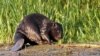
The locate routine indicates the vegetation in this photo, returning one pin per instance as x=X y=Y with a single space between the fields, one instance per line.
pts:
x=80 y=18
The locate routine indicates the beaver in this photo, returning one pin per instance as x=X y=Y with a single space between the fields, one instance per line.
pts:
x=36 y=28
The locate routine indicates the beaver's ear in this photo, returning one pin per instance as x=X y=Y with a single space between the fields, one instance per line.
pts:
x=55 y=24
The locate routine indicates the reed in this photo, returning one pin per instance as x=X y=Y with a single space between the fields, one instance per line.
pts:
x=80 y=18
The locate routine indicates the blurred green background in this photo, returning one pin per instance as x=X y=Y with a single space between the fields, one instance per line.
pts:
x=80 y=18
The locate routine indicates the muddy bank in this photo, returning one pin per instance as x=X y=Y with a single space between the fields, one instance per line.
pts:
x=52 y=50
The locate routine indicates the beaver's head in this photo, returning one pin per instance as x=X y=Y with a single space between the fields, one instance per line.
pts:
x=56 y=31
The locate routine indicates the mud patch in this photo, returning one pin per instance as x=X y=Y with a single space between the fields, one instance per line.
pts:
x=52 y=50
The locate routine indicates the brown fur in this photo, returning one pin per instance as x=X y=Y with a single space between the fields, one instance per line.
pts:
x=39 y=29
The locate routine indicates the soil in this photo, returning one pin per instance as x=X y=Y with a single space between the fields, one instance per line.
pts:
x=53 y=50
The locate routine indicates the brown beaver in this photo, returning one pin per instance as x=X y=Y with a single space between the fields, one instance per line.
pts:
x=36 y=29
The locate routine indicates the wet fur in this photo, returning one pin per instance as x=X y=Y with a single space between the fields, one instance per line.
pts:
x=37 y=29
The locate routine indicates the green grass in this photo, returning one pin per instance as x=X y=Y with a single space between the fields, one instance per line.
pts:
x=80 y=18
